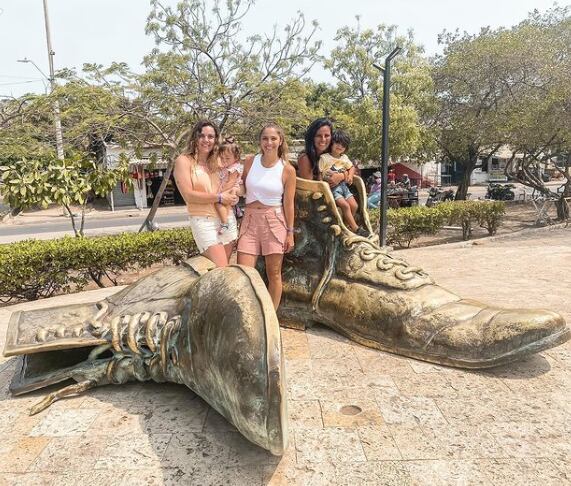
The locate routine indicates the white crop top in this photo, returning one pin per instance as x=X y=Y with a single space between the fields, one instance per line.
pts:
x=265 y=185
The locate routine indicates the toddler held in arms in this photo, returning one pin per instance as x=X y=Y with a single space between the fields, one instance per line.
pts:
x=230 y=177
x=337 y=161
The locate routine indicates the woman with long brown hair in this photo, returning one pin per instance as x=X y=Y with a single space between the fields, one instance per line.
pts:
x=197 y=175
x=317 y=142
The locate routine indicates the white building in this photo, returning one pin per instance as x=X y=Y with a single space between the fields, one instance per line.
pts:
x=492 y=169
x=146 y=176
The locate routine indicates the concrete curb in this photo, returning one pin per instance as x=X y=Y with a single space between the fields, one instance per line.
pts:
x=93 y=232
x=28 y=218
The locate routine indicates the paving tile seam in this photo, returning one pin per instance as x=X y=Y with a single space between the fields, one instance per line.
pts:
x=556 y=465
x=359 y=433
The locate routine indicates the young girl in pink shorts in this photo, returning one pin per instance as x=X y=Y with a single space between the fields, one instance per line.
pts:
x=267 y=226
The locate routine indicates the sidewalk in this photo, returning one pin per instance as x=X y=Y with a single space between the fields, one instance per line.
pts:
x=420 y=424
x=55 y=213
x=56 y=225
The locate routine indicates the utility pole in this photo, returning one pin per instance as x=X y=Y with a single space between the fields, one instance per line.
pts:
x=51 y=53
x=386 y=71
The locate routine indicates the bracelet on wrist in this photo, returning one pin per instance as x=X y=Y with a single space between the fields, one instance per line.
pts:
x=290 y=230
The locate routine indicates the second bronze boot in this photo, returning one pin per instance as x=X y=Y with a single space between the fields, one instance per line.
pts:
x=349 y=284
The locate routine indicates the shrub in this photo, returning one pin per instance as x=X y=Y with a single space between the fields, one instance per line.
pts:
x=461 y=213
x=491 y=216
x=467 y=214
x=33 y=269
x=407 y=224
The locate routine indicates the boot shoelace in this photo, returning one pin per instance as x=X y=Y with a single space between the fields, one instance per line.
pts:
x=402 y=270
x=385 y=262
x=143 y=334
x=141 y=340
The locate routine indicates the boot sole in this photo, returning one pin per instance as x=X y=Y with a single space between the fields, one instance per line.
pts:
x=517 y=354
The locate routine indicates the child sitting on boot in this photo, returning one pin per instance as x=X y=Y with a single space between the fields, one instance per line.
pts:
x=337 y=161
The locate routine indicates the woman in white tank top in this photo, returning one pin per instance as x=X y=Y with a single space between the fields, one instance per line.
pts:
x=267 y=226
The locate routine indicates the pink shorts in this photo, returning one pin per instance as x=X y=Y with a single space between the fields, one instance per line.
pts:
x=263 y=231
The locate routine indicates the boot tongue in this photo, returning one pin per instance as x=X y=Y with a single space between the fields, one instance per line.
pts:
x=363 y=261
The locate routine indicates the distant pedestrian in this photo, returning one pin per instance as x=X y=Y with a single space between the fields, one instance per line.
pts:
x=374 y=198
x=405 y=181
x=391 y=176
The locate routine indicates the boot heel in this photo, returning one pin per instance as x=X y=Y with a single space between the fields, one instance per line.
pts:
x=290 y=320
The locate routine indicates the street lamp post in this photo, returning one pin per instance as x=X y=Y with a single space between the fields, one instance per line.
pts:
x=51 y=78
x=385 y=143
x=51 y=53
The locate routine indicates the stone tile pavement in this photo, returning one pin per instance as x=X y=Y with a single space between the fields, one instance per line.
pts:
x=419 y=423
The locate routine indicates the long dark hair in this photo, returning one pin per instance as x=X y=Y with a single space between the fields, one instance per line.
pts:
x=191 y=147
x=310 y=143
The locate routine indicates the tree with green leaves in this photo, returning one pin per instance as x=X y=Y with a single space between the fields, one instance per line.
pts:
x=50 y=180
x=469 y=86
x=201 y=68
x=355 y=101
x=31 y=173
x=201 y=58
x=504 y=87
x=538 y=115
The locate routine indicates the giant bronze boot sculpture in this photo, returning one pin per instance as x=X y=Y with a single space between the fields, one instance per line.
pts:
x=349 y=284
x=217 y=333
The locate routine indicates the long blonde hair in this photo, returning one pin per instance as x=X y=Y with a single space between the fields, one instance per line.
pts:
x=283 y=151
x=192 y=144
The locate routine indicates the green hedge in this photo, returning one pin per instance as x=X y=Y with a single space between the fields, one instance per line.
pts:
x=468 y=214
x=33 y=269
x=408 y=224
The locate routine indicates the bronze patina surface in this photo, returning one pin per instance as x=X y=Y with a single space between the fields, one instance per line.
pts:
x=213 y=330
x=349 y=284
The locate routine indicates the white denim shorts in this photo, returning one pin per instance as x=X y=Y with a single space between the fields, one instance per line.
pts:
x=205 y=231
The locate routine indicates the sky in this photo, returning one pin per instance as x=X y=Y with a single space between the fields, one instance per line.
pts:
x=102 y=31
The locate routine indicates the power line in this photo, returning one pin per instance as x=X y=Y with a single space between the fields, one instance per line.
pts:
x=21 y=82
x=18 y=77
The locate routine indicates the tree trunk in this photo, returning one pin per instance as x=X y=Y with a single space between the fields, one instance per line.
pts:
x=97 y=279
x=148 y=223
x=72 y=219
x=464 y=185
x=82 y=223
x=561 y=204
x=174 y=152
x=562 y=209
